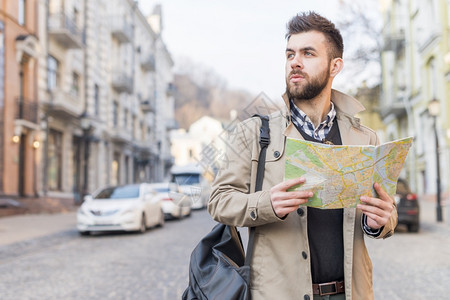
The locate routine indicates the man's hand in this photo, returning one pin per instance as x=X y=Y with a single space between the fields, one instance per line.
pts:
x=284 y=202
x=377 y=210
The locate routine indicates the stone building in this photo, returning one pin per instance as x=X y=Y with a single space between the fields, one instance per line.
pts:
x=86 y=97
x=19 y=120
x=415 y=69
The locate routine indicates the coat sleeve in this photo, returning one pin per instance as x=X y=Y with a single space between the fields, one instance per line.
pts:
x=232 y=202
x=388 y=229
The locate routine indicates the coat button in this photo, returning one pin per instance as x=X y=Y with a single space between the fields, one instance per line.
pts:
x=300 y=211
x=306 y=297
x=276 y=154
x=304 y=255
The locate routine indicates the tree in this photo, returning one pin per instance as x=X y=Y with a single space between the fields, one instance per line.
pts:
x=360 y=23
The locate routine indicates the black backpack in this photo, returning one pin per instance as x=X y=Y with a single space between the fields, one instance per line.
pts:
x=219 y=268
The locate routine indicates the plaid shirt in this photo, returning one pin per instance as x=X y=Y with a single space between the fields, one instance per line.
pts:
x=303 y=122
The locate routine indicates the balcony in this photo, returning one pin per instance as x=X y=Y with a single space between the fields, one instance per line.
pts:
x=148 y=106
x=148 y=63
x=27 y=110
x=65 y=31
x=396 y=108
x=65 y=104
x=122 y=82
x=121 y=29
x=120 y=136
x=394 y=41
x=171 y=89
x=171 y=124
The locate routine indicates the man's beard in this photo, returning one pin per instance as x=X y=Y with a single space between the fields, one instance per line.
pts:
x=309 y=91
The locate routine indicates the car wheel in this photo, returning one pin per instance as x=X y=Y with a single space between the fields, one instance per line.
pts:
x=413 y=227
x=162 y=219
x=143 y=226
x=84 y=233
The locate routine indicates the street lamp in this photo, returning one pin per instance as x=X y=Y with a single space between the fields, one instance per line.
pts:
x=86 y=126
x=433 y=110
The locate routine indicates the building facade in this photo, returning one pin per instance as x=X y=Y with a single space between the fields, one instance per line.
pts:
x=84 y=88
x=19 y=121
x=415 y=68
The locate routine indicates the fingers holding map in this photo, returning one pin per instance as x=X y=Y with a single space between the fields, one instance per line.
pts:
x=340 y=175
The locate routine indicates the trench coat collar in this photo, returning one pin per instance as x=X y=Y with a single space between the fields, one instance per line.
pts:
x=343 y=103
x=346 y=107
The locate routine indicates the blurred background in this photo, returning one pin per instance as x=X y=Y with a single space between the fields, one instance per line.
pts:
x=113 y=92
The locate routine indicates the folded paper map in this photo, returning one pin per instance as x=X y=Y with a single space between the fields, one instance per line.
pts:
x=340 y=175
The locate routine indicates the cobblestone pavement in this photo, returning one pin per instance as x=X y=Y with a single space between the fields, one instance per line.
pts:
x=413 y=265
x=154 y=265
x=107 y=266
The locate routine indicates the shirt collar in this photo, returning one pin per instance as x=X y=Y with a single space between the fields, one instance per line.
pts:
x=299 y=115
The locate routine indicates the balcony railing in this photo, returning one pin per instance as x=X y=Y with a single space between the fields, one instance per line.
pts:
x=122 y=82
x=64 y=103
x=171 y=89
x=27 y=110
x=65 y=31
x=148 y=63
x=148 y=105
x=121 y=29
x=171 y=124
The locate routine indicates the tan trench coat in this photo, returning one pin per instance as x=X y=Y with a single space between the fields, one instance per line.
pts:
x=279 y=269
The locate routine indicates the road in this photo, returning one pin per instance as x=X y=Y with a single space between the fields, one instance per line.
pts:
x=155 y=265
x=413 y=265
x=107 y=266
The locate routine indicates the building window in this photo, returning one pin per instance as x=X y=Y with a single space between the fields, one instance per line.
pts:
x=97 y=99
x=75 y=88
x=115 y=114
x=115 y=168
x=125 y=119
x=52 y=73
x=54 y=166
x=22 y=12
x=76 y=17
x=135 y=128
x=143 y=133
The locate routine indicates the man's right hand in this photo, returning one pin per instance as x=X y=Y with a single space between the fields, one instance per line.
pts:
x=284 y=202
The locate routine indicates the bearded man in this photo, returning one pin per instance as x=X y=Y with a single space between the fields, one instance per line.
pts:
x=303 y=252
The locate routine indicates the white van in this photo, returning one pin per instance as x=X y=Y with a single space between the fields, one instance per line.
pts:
x=192 y=182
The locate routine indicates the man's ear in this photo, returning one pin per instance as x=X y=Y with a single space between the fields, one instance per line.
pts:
x=337 y=64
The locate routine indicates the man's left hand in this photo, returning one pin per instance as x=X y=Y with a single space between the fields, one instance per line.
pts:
x=377 y=210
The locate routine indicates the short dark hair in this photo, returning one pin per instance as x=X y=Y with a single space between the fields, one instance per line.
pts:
x=310 y=21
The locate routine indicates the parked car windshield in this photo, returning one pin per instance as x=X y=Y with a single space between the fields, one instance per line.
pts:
x=186 y=179
x=161 y=190
x=119 y=192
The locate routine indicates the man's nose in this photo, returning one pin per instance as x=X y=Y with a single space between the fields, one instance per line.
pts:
x=296 y=63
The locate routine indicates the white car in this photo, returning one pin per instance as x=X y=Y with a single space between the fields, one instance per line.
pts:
x=175 y=204
x=120 y=208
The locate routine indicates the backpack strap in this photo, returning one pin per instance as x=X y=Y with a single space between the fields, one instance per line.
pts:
x=264 y=141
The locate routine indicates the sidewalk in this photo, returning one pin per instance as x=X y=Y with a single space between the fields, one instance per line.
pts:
x=35 y=205
x=28 y=218
x=52 y=218
x=19 y=228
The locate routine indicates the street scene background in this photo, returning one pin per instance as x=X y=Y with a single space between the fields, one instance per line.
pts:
x=106 y=93
x=64 y=265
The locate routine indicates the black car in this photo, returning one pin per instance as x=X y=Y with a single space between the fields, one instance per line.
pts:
x=407 y=206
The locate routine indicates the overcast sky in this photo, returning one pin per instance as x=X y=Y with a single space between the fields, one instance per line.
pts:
x=242 y=41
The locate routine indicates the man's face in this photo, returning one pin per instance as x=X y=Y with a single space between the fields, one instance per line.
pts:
x=307 y=65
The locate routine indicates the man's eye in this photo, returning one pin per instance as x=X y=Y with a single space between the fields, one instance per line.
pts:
x=290 y=55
